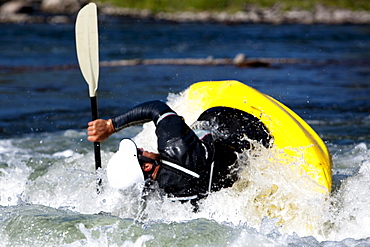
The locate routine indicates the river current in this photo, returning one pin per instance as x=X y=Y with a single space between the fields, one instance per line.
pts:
x=48 y=182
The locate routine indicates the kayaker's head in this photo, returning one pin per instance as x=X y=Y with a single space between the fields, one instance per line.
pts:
x=148 y=162
x=130 y=165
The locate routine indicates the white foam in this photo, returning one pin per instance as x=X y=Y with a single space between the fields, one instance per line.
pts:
x=66 y=153
x=269 y=200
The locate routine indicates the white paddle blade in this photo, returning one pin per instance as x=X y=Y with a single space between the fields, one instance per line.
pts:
x=87 y=45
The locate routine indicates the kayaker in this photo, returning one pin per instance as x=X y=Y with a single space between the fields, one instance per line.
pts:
x=189 y=164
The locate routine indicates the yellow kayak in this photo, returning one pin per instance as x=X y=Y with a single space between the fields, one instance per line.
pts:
x=289 y=132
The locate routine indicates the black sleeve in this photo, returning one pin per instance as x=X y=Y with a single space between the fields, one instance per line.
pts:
x=149 y=111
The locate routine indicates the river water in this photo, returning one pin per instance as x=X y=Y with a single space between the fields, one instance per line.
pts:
x=48 y=183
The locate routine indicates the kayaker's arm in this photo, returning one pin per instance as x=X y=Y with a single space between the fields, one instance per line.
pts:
x=148 y=111
x=101 y=129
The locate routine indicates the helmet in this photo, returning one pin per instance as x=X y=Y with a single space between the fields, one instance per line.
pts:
x=123 y=168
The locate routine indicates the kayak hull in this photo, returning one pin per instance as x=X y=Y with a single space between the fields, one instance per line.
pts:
x=290 y=133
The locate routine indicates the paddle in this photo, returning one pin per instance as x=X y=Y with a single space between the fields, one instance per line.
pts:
x=87 y=46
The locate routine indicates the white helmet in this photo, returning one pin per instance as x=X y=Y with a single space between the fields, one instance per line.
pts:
x=123 y=168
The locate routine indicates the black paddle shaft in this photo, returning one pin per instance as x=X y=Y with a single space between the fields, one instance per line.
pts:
x=95 y=115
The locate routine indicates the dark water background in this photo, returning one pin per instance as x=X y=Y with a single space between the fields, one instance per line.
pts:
x=331 y=89
x=45 y=109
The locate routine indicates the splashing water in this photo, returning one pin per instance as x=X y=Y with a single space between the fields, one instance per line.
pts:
x=48 y=198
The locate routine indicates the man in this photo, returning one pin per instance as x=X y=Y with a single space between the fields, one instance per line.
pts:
x=188 y=166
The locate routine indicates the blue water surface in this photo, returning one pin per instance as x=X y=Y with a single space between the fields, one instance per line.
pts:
x=44 y=99
x=42 y=88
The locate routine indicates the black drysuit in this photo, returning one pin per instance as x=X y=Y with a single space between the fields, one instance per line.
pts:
x=190 y=166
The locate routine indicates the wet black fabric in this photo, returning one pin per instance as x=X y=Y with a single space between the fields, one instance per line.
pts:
x=146 y=112
x=178 y=144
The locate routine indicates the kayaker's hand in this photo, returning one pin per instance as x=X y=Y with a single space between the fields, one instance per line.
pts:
x=99 y=130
